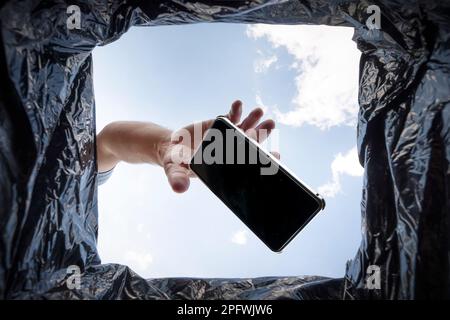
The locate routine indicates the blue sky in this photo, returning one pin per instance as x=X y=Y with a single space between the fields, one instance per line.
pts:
x=305 y=77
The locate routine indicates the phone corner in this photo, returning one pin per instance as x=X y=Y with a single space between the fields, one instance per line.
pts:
x=321 y=201
x=278 y=250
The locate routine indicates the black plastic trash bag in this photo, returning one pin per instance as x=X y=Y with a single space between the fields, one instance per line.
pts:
x=48 y=183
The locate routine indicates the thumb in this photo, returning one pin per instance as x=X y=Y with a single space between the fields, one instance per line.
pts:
x=178 y=177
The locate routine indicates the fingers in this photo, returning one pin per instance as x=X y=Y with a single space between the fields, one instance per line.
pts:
x=264 y=129
x=236 y=111
x=267 y=125
x=252 y=119
x=234 y=115
x=251 y=133
x=275 y=154
x=178 y=177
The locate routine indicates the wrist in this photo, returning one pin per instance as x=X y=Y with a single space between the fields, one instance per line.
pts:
x=106 y=158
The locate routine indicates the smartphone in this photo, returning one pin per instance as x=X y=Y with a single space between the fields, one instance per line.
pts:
x=254 y=185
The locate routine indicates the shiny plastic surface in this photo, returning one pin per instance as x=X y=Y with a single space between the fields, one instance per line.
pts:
x=48 y=186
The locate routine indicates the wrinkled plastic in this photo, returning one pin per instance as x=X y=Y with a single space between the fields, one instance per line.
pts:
x=48 y=184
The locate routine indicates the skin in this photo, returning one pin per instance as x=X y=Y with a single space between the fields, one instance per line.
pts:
x=145 y=142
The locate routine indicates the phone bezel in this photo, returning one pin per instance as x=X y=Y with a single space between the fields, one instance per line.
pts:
x=320 y=201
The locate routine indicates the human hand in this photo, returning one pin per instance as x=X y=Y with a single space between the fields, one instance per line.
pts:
x=183 y=143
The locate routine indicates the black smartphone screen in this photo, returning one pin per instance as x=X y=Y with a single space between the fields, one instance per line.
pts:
x=272 y=203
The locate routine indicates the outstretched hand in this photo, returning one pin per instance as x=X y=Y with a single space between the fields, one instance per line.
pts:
x=181 y=148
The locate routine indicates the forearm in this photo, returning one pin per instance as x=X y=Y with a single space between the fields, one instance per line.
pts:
x=130 y=141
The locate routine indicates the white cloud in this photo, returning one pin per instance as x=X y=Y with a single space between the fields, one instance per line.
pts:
x=263 y=64
x=346 y=164
x=240 y=237
x=139 y=261
x=327 y=62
